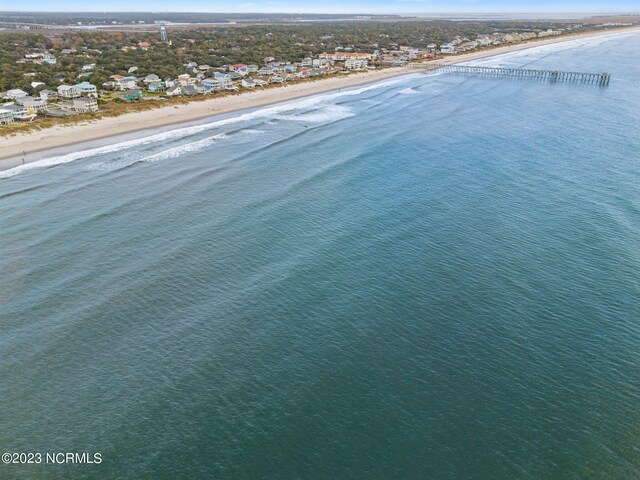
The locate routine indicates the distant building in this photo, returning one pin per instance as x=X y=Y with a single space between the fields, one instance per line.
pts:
x=448 y=48
x=6 y=116
x=133 y=94
x=356 y=64
x=87 y=89
x=33 y=105
x=47 y=95
x=151 y=78
x=127 y=83
x=190 y=90
x=184 y=78
x=19 y=112
x=321 y=62
x=68 y=91
x=164 y=37
x=344 y=56
x=549 y=33
x=219 y=82
x=174 y=91
x=85 y=104
x=156 y=87
x=15 y=93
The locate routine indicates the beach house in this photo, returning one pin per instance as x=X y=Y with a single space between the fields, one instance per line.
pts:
x=184 y=78
x=356 y=63
x=127 y=83
x=156 y=87
x=133 y=94
x=151 y=78
x=266 y=71
x=6 y=116
x=87 y=89
x=322 y=62
x=344 y=56
x=85 y=104
x=448 y=48
x=15 y=93
x=189 y=90
x=48 y=94
x=68 y=91
x=19 y=112
x=220 y=81
x=32 y=104
x=174 y=91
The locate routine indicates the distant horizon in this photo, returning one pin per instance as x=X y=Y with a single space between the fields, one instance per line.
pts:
x=297 y=12
x=350 y=7
x=491 y=14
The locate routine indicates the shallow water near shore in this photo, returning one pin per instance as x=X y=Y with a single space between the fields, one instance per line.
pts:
x=434 y=276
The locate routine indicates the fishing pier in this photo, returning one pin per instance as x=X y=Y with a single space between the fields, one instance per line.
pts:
x=601 y=79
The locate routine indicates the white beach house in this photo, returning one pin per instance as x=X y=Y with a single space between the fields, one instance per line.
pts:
x=68 y=91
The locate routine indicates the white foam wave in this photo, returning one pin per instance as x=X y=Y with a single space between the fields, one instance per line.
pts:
x=108 y=166
x=170 y=153
x=251 y=131
x=328 y=114
x=185 y=131
x=188 y=147
x=408 y=91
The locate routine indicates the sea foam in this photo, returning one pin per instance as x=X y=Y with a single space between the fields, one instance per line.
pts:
x=178 y=133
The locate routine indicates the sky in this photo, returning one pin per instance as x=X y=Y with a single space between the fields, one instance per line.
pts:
x=401 y=7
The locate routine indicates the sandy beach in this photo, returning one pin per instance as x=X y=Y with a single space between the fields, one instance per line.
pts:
x=12 y=148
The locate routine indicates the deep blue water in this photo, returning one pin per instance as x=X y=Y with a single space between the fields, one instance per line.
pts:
x=431 y=277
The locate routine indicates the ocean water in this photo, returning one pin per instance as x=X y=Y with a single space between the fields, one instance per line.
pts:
x=432 y=277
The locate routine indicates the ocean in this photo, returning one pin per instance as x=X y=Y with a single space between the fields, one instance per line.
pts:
x=430 y=277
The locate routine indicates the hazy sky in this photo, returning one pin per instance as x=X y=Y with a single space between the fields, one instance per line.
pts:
x=335 y=6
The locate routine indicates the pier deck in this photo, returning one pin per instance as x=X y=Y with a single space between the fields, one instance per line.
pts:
x=601 y=79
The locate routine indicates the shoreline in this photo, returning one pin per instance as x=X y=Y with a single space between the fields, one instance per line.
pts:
x=58 y=137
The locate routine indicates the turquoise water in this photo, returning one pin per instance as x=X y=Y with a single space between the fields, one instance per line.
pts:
x=429 y=277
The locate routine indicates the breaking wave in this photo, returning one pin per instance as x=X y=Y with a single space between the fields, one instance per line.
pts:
x=178 y=133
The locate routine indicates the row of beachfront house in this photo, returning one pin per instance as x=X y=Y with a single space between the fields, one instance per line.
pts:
x=233 y=78
x=66 y=100
x=197 y=80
